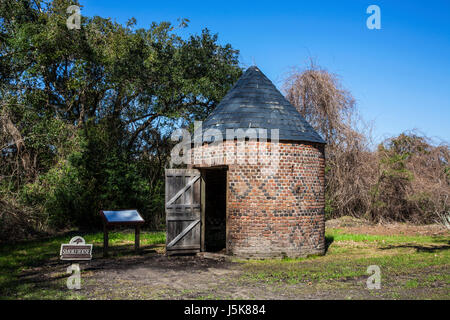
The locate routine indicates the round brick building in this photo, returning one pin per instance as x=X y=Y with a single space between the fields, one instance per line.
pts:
x=263 y=194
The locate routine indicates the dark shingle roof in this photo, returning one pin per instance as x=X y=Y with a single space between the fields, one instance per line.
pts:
x=254 y=102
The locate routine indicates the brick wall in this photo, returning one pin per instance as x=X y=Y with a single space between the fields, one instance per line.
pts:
x=274 y=208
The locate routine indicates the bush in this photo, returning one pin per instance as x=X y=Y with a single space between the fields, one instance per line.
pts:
x=406 y=178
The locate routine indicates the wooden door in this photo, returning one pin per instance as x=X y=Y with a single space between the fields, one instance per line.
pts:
x=183 y=211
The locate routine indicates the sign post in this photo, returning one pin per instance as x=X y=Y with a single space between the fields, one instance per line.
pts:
x=121 y=218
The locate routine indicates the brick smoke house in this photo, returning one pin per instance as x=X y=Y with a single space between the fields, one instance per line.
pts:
x=255 y=206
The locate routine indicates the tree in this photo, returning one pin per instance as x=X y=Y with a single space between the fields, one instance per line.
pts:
x=113 y=92
x=320 y=98
x=405 y=179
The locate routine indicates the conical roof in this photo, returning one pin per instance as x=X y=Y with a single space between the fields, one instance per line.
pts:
x=254 y=102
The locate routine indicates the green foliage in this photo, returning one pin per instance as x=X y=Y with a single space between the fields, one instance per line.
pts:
x=410 y=184
x=56 y=194
x=328 y=208
x=90 y=111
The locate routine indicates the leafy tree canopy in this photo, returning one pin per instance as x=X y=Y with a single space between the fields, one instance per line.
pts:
x=111 y=92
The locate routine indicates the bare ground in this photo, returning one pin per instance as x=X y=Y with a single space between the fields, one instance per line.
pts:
x=152 y=275
x=156 y=276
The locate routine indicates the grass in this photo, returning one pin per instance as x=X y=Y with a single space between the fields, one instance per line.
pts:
x=411 y=266
x=349 y=255
x=339 y=235
x=16 y=259
x=412 y=283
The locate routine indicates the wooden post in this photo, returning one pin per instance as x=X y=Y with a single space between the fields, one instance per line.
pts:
x=137 y=232
x=202 y=208
x=105 y=240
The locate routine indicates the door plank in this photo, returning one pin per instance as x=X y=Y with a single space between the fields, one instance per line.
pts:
x=183 y=233
x=183 y=211
x=183 y=190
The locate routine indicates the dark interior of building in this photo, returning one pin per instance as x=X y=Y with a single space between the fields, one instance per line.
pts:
x=215 y=209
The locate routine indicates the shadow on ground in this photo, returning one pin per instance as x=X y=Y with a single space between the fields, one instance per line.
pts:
x=122 y=262
x=328 y=241
x=419 y=248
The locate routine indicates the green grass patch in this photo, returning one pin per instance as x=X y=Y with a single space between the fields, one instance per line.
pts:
x=432 y=278
x=21 y=257
x=412 y=283
x=349 y=255
x=340 y=235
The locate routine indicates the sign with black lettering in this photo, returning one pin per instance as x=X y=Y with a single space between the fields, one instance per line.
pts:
x=76 y=249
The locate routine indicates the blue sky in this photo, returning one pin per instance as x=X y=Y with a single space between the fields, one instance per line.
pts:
x=399 y=75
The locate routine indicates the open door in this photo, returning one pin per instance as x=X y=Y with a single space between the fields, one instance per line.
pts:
x=214 y=220
x=183 y=211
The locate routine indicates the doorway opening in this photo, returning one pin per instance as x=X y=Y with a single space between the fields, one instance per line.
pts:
x=215 y=206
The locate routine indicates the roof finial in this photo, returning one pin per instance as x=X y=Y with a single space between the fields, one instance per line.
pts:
x=253 y=61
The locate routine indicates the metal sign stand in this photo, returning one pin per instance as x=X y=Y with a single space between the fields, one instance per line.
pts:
x=121 y=218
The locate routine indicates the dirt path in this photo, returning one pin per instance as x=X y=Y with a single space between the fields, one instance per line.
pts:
x=191 y=277
x=412 y=268
x=155 y=276
x=159 y=277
